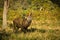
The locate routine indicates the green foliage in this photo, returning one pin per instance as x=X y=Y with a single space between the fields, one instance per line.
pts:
x=43 y=11
x=46 y=15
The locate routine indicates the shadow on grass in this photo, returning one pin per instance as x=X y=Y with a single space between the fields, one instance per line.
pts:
x=38 y=30
x=32 y=30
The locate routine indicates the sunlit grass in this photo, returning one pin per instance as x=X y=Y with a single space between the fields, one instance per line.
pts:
x=38 y=30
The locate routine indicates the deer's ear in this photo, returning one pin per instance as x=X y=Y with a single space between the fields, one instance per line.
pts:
x=30 y=14
x=27 y=14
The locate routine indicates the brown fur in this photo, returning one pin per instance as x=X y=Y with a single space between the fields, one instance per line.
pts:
x=22 y=23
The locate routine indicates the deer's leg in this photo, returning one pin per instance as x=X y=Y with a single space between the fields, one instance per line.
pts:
x=15 y=27
x=24 y=30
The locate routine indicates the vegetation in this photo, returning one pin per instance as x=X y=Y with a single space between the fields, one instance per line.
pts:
x=45 y=19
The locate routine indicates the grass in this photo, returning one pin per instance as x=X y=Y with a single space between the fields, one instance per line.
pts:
x=40 y=34
x=36 y=31
x=45 y=24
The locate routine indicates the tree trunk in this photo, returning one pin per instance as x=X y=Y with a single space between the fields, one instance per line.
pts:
x=5 y=11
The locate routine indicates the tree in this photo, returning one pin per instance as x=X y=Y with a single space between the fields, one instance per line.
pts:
x=5 y=11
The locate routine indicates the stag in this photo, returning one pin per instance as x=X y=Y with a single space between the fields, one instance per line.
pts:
x=23 y=22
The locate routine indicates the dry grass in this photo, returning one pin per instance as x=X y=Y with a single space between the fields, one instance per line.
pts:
x=37 y=31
